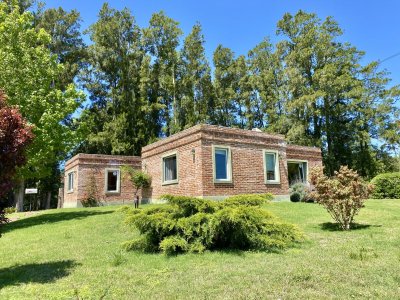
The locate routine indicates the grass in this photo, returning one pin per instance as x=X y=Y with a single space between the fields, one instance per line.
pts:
x=76 y=254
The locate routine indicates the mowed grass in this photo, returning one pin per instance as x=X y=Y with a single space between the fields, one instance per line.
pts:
x=76 y=254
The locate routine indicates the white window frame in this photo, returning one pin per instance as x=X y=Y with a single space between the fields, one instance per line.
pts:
x=299 y=161
x=168 y=155
x=277 y=179
x=72 y=174
x=107 y=170
x=229 y=164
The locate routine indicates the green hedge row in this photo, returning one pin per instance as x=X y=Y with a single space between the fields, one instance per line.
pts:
x=189 y=224
x=386 y=186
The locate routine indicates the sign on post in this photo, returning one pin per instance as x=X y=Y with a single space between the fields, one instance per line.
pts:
x=31 y=191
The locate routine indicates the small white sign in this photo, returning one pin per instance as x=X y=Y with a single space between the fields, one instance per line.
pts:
x=30 y=191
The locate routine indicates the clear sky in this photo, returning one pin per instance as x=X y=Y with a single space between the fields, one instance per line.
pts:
x=371 y=26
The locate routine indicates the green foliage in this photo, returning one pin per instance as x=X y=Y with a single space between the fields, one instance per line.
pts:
x=28 y=73
x=10 y=210
x=342 y=195
x=295 y=197
x=194 y=225
x=138 y=178
x=303 y=190
x=173 y=245
x=248 y=199
x=386 y=186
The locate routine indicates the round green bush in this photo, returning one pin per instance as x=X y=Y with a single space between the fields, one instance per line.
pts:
x=386 y=186
x=295 y=197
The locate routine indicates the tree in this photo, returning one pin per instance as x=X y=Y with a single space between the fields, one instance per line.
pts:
x=342 y=195
x=117 y=114
x=15 y=137
x=334 y=101
x=224 y=79
x=195 y=82
x=161 y=40
x=29 y=71
x=138 y=178
x=66 y=42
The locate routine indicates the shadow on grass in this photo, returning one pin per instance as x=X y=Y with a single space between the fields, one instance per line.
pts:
x=51 y=218
x=35 y=273
x=329 y=226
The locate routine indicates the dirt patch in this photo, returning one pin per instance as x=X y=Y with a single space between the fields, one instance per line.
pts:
x=23 y=215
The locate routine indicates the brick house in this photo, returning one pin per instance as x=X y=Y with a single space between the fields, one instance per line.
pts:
x=204 y=161
x=101 y=173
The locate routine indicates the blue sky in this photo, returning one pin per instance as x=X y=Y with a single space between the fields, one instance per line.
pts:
x=371 y=26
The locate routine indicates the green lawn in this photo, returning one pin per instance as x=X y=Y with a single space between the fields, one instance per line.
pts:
x=75 y=254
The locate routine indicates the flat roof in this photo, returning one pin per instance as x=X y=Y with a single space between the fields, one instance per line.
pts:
x=213 y=129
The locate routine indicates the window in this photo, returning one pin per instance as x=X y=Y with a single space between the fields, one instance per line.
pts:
x=271 y=166
x=112 y=180
x=170 y=169
x=71 y=182
x=297 y=171
x=222 y=164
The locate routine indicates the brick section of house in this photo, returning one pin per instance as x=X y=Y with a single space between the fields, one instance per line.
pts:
x=195 y=163
x=88 y=166
x=187 y=145
x=310 y=154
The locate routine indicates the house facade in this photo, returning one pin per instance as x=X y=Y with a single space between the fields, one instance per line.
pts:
x=209 y=162
x=98 y=174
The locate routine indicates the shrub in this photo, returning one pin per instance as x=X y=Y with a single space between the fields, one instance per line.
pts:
x=10 y=210
x=248 y=199
x=3 y=220
x=295 y=197
x=303 y=190
x=188 y=224
x=342 y=195
x=386 y=186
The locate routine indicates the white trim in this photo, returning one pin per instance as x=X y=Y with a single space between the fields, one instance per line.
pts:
x=106 y=171
x=277 y=168
x=229 y=164
x=168 y=182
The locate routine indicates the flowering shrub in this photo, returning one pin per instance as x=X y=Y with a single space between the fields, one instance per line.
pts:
x=343 y=195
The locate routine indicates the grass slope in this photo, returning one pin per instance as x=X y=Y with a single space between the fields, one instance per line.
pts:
x=75 y=254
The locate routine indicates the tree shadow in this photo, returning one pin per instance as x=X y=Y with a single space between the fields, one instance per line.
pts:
x=51 y=218
x=330 y=226
x=35 y=273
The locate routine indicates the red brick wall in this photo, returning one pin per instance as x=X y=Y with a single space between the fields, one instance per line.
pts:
x=247 y=171
x=195 y=169
x=311 y=154
x=196 y=177
x=89 y=165
x=189 y=167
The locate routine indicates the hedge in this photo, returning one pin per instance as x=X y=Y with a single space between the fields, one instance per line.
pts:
x=386 y=186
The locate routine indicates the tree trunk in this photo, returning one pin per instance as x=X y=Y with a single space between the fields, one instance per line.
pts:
x=48 y=200
x=19 y=196
x=60 y=198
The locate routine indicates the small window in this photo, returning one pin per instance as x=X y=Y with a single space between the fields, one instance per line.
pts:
x=170 y=169
x=222 y=164
x=112 y=180
x=71 y=182
x=271 y=167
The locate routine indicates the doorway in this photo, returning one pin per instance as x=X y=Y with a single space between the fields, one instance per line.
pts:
x=297 y=172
